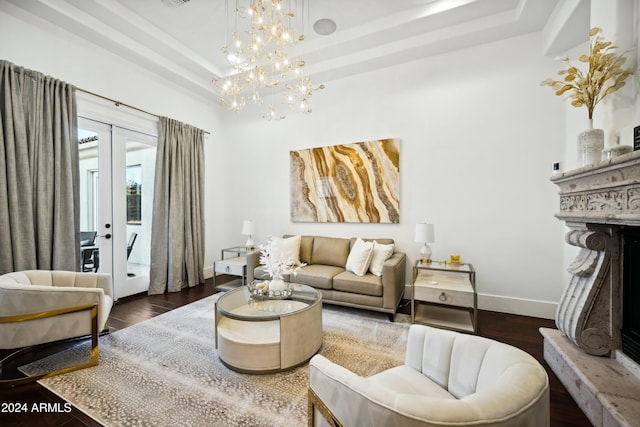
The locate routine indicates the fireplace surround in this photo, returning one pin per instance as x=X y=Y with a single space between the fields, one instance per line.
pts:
x=600 y=204
x=630 y=332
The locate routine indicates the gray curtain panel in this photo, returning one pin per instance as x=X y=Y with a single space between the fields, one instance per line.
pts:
x=177 y=245
x=39 y=187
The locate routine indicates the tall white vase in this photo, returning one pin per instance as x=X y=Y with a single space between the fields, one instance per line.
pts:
x=590 y=146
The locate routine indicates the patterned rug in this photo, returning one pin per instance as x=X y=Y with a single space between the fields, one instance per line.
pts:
x=165 y=371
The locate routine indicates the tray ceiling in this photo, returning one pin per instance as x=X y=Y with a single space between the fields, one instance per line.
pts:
x=182 y=43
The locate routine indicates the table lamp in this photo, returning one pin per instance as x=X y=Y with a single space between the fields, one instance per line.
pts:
x=248 y=229
x=425 y=234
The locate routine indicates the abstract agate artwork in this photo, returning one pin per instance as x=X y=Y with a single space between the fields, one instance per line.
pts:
x=357 y=182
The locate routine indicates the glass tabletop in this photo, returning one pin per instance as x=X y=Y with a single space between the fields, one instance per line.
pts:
x=444 y=266
x=238 y=304
x=239 y=250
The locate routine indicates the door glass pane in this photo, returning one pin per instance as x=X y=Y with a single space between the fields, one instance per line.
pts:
x=134 y=195
x=89 y=200
x=140 y=167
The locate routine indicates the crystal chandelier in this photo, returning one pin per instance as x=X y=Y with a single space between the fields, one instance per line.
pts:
x=262 y=52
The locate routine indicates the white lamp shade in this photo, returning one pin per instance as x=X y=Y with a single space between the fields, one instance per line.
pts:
x=425 y=233
x=248 y=228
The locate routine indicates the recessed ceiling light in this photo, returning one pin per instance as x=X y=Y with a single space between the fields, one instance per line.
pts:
x=324 y=26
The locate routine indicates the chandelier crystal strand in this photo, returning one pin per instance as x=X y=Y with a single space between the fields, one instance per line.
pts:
x=263 y=55
x=298 y=93
x=301 y=87
x=289 y=97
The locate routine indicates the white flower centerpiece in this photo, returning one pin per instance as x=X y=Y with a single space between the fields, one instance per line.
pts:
x=278 y=262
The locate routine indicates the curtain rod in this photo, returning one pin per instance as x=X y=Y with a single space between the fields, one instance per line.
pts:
x=118 y=104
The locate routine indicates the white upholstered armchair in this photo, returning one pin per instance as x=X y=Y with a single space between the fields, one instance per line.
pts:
x=448 y=379
x=41 y=306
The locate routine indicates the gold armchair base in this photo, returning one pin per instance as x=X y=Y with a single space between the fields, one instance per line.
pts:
x=316 y=403
x=93 y=309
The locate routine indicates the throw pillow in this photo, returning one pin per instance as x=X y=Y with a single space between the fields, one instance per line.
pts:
x=381 y=253
x=360 y=257
x=289 y=247
x=330 y=251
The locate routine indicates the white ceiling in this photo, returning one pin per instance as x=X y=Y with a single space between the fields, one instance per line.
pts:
x=182 y=43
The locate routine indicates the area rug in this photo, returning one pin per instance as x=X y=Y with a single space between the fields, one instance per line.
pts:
x=165 y=371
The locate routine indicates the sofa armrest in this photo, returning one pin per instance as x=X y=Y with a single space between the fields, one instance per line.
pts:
x=393 y=280
x=17 y=299
x=106 y=283
x=335 y=393
x=339 y=394
x=102 y=281
x=61 y=278
x=253 y=261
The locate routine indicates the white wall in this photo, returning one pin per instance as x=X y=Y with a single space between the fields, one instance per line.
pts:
x=35 y=44
x=478 y=137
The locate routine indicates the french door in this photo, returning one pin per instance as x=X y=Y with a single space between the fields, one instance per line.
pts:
x=116 y=198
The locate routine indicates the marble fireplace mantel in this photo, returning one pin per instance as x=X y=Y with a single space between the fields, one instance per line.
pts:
x=596 y=201
x=607 y=192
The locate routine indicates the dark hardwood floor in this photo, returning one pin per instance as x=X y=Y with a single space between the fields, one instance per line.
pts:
x=519 y=331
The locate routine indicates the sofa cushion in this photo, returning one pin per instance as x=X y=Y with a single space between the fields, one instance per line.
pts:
x=289 y=247
x=306 y=247
x=405 y=380
x=467 y=359
x=360 y=257
x=330 y=251
x=316 y=275
x=381 y=241
x=381 y=253
x=260 y=273
x=365 y=285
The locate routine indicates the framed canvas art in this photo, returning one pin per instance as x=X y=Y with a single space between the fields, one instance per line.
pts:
x=358 y=182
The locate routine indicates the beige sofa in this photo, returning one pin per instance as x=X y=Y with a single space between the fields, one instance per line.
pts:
x=326 y=259
x=448 y=379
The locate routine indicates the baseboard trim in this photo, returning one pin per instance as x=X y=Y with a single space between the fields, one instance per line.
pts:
x=511 y=305
x=521 y=306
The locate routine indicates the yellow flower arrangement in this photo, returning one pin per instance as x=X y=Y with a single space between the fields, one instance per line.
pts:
x=605 y=76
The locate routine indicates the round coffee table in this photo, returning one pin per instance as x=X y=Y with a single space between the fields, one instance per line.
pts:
x=267 y=336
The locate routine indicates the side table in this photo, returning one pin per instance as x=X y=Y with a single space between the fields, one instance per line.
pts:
x=444 y=295
x=233 y=261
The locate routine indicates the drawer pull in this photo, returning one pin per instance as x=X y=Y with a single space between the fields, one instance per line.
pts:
x=227 y=269
x=442 y=297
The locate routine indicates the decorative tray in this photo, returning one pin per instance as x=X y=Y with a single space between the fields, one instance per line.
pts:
x=259 y=290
